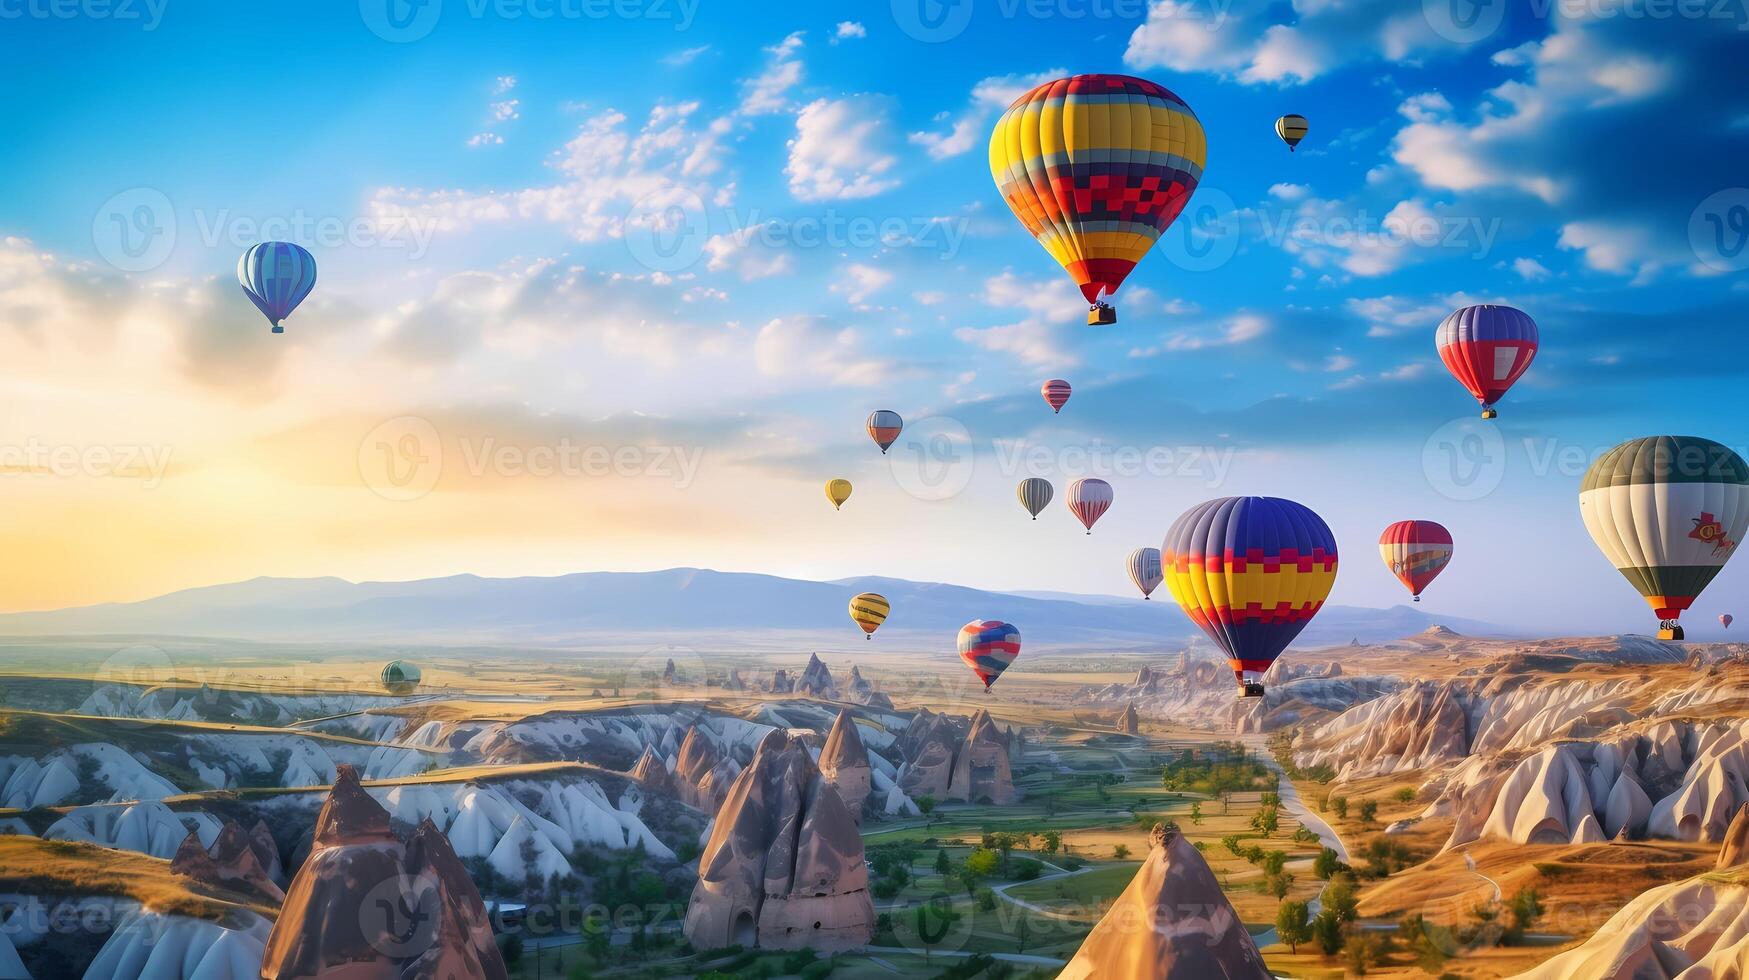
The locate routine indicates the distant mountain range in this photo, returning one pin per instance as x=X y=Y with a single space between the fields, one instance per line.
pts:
x=723 y=609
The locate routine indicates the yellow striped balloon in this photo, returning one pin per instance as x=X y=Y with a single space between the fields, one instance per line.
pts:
x=869 y=610
x=1291 y=128
x=1096 y=167
x=837 y=491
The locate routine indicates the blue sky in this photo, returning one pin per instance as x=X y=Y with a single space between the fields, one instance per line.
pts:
x=491 y=191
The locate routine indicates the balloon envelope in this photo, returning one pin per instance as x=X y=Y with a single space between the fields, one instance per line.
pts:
x=837 y=491
x=1144 y=568
x=1416 y=552
x=1667 y=511
x=276 y=276
x=988 y=646
x=1035 y=494
x=1725 y=620
x=869 y=610
x=1487 y=348
x=884 y=427
x=1056 y=392
x=1089 y=499
x=1096 y=167
x=1291 y=128
x=1251 y=572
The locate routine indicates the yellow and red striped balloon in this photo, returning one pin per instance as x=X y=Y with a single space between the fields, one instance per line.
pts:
x=869 y=610
x=1096 y=167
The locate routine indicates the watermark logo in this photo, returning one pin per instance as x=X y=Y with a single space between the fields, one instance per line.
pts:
x=400 y=21
x=401 y=459
x=1718 y=230
x=1464 y=459
x=135 y=230
x=932 y=21
x=933 y=459
x=934 y=925
x=1205 y=235
x=666 y=230
x=1464 y=21
x=399 y=917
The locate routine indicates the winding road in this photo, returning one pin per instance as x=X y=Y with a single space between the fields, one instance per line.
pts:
x=1293 y=804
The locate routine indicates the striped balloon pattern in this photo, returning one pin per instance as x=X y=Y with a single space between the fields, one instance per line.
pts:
x=884 y=427
x=837 y=491
x=1056 y=392
x=1291 y=128
x=1668 y=512
x=869 y=610
x=276 y=276
x=1487 y=348
x=1089 y=498
x=1096 y=167
x=989 y=646
x=1144 y=568
x=1035 y=495
x=1251 y=572
x=1416 y=552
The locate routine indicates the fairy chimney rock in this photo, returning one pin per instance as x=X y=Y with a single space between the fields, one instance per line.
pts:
x=844 y=764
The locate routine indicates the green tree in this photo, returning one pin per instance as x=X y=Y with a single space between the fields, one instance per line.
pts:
x=926 y=806
x=1121 y=851
x=982 y=862
x=1327 y=931
x=1361 y=952
x=1273 y=862
x=1339 y=804
x=1196 y=813
x=1278 y=884
x=1293 y=924
x=1266 y=820
x=1326 y=864
x=1342 y=900
x=942 y=866
x=1050 y=841
x=1369 y=810
x=1522 y=911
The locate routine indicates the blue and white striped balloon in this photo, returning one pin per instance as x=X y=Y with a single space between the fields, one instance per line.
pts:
x=277 y=276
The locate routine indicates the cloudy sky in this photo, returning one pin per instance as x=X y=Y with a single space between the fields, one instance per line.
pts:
x=614 y=285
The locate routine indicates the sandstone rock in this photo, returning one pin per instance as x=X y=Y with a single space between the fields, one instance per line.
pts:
x=1696 y=929
x=816 y=680
x=981 y=770
x=1171 y=923
x=783 y=867
x=844 y=764
x=1128 y=721
x=1735 y=850
x=781 y=683
x=652 y=774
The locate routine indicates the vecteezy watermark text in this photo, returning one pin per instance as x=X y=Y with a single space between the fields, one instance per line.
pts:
x=147 y=13
x=405 y=21
x=35 y=458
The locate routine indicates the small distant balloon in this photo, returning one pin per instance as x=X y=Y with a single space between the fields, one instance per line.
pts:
x=1291 y=128
x=276 y=276
x=837 y=491
x=1089 y=499
x=1056 y=392
x=988 y=646
x=884 y=427
x=1416 y=552
x=1144 y=567
x=1035 y=494
x=1725 y=620
x=869 y=610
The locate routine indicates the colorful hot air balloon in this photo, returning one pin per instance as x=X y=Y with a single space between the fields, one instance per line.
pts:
x=1416 y=552
x=1096 y=167
x=1056 y=392
x=1725 y=620
x=1291 y=128
x=1487 y=348
x=1667 y=511
x=837 y=491
x=884 y=428
x=1035 y=494
x=989 y=646
x=1088 y=499
x=1144 y=566
x=276 y=276
x=1252 y=572
x=869 y=610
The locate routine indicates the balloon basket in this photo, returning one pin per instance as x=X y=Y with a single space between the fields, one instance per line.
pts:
x=1489 y=413
x=1671 y=631
x=1101 y=315
x=278 y=329
x=1417 y=598
x=1250 y=691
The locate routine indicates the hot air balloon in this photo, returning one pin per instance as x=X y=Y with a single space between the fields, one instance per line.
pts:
x=1088 y=499
x=1725 y=620
x=1056 y=392
x=1144 y=566
x=400 y=677
x=1487 y=348
x=1291 y=128
x=1035 y=494
x=1252 y=572
x=1667 y=511
x=1416 y=552
x=837 y=491
x=1096 y=167
x=869 y=610
x=884 y=428
x=989 y=646
x=276 y=276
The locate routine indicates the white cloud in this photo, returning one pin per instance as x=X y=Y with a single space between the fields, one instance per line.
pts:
x=504 y=83
x=685 y=56
x=1289 y=192
x=1037 y=339
x=857 y=282
x=485 y=139
x=1530 y=269
x=768 y=92
x=969 y=128
x=841 y=149
x=848 y=29
x=743 y=252
x=814 y=348
x=502 y=111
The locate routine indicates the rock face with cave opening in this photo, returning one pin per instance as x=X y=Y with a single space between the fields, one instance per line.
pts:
x=783 y=867
x=844 y=763
x=1172 y=923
